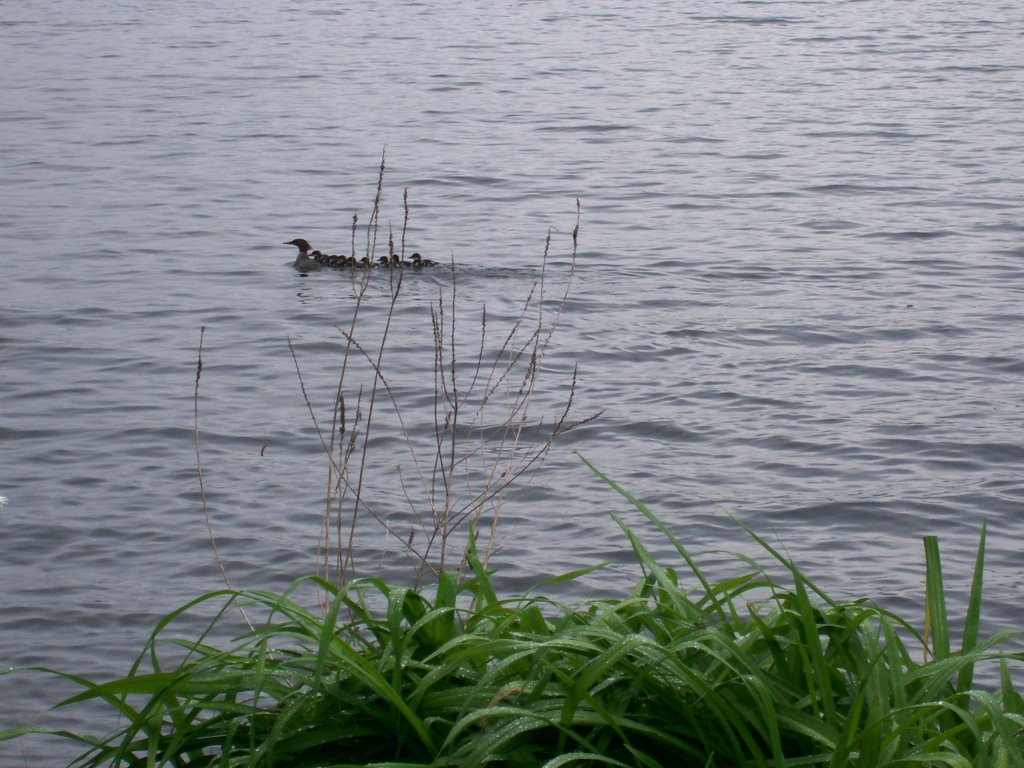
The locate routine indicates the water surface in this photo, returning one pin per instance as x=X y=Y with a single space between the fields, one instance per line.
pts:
x=797 y=300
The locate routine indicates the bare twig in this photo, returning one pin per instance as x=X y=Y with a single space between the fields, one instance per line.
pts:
x=483 y=438
x=199 y=470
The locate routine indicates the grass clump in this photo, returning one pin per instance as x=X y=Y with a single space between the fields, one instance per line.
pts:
x=682 y=670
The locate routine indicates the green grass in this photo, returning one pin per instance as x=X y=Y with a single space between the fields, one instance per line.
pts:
x=683 y=670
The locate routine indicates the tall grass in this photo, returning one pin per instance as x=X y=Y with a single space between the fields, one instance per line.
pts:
x=485 y=434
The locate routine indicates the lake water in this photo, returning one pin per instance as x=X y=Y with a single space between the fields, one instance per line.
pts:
x=799 y=294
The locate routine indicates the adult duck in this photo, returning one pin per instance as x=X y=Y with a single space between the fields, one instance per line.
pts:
x=307 y=259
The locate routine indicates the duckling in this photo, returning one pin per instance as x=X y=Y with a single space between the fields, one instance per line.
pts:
x=364 y=262
x=306 y=260
x=384 y=261
x=419 y=261
x=398 y=261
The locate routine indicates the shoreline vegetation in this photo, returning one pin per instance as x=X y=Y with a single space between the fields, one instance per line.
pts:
x=345 y=668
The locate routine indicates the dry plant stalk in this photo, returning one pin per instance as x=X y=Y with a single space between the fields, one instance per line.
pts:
x=475 y=463
x=202 y=484
x=474 y=456
x=341 y=444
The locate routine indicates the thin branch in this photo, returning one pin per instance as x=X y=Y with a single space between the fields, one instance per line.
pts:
x=202 y=485
x=476 y=457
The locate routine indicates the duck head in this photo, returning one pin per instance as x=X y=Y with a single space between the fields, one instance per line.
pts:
x=301 y=244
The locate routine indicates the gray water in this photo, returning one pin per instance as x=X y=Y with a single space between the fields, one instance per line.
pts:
x=798 y=296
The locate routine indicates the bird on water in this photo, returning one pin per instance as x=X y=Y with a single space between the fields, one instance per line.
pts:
x=307 y=258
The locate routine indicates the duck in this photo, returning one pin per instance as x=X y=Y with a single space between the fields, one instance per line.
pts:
x=384 y=261
x=307 y=258
x=419 y=261
x=398 y=261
